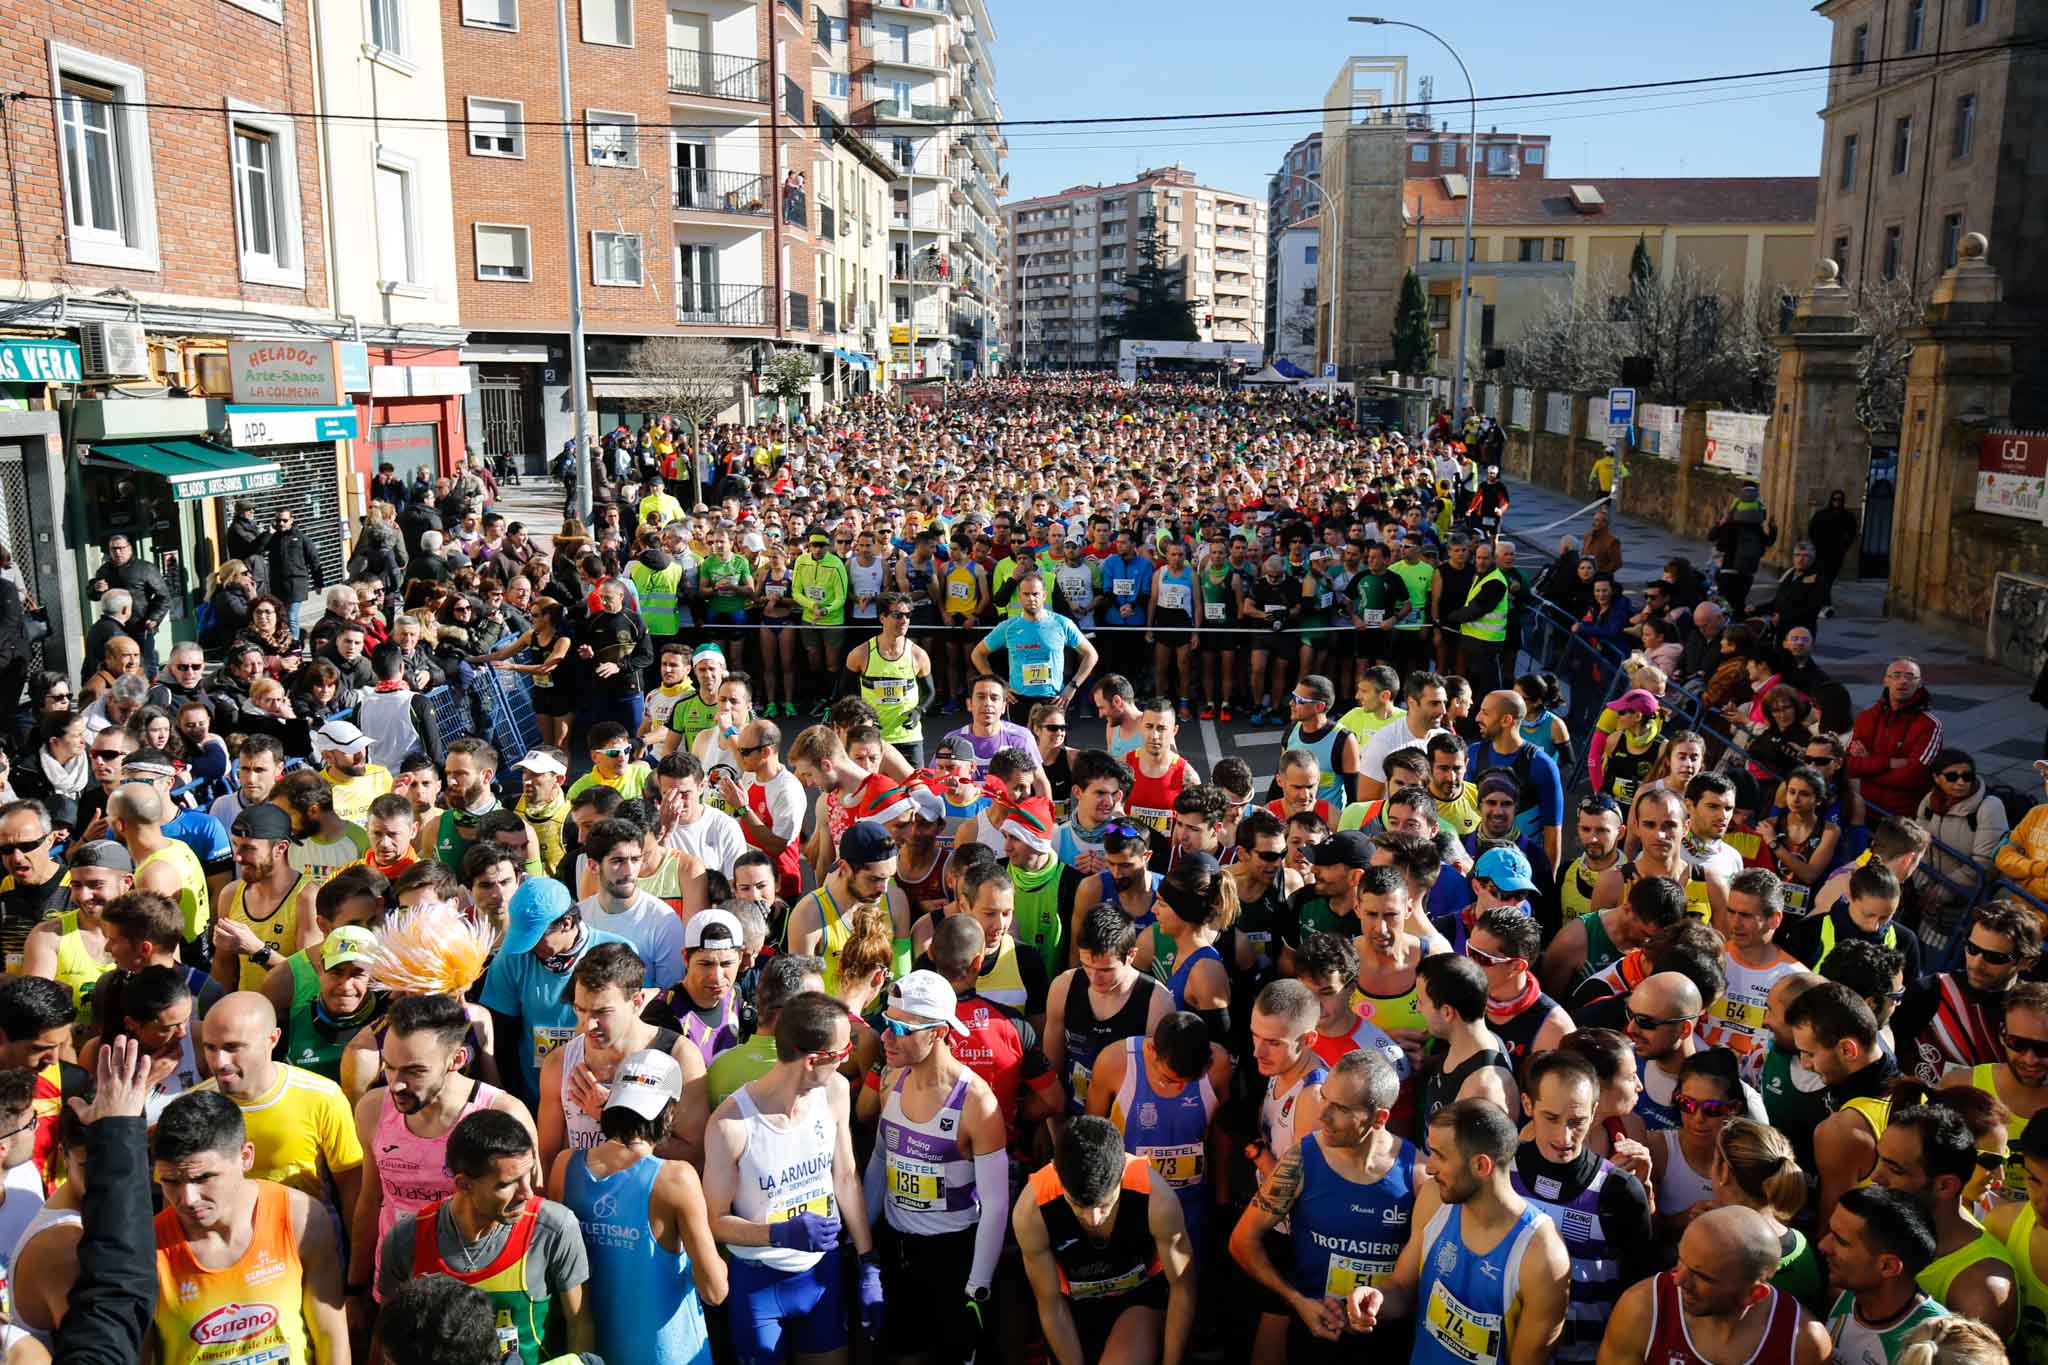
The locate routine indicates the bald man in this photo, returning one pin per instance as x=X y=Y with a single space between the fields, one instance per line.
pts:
x=1663 y=1023
x=1539 y=802
x=1717 y=1305
x=300 y=1124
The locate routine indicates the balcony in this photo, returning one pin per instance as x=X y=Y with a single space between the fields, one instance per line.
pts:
x=800 y=311
x=828 y=317
x=735 y=192
x=908 y=113
x=795 y=207
x=912 y=58
x=730 y=305
x=792 y=97
x=717 y=74
x=828 y=224
x=796 y=8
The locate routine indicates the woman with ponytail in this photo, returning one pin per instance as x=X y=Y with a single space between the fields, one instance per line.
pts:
x=866 y=961
x=1952 y=1341
x=1754 y=1167
x=1195 y=903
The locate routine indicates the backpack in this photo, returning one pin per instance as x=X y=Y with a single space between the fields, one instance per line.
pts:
x=205 y=618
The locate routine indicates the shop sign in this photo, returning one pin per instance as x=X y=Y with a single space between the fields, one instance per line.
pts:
x=280 y=426
x=188 y=488
x=294 y=373
x=355 y=366
x=2012 y=473
x=27 y=361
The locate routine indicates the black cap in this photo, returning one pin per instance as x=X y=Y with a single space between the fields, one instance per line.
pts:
x=1349 y=847
x=263 y=822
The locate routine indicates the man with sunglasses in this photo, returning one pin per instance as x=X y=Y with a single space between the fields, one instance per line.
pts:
x=1504 y=941
x=1928 y=1154
x=35 y=885
x=784 y=1195
x=1663 y=1025
x=2020 y=1082
x=1951 y=1019
x=895 y=678
x=939 y=1173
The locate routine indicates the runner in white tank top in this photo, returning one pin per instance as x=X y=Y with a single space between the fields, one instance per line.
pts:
x=582 y=1129
x=182 y=1078
x=786 y=1170
x=45 y=1219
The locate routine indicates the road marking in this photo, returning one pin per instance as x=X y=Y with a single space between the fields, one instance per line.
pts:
x=1210 y=745
x=1260 y=737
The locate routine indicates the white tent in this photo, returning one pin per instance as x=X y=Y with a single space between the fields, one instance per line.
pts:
x=1269 y=375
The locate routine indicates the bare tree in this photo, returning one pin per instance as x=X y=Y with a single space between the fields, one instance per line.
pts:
x=1883 y=311
x=693 y=377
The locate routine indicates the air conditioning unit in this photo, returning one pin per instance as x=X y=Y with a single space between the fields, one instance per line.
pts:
x=114 y=350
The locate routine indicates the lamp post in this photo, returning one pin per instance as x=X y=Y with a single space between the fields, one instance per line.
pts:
x=579 y=378
x=1336 y=267
x=1471 y=192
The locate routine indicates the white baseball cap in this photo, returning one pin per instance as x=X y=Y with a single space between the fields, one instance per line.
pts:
x=704 y=921
x=927 y=995
x=541 y=761
x=646 y=1082
x=340 y=734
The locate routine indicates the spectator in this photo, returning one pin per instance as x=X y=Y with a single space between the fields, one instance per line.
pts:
x=1894 y=742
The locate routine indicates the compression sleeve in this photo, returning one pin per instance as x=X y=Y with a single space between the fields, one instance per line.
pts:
x=871 y=1187
x=992 y=1188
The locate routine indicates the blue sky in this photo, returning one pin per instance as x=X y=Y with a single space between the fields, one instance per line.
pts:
x=1068 y=58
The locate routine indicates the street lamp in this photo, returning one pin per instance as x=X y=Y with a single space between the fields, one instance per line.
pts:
x=1336 y=265
x=1471 y=192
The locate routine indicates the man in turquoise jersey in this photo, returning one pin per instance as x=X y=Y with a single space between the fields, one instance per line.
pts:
x=1036 y=641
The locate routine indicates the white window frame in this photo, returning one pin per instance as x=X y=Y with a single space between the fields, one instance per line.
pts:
x=273 y=10
x=286 y=265
x=388 y=159
x=597 y=258
x=838 y=85
x=583 y=23
x=513 y=27
x=516 y=124
x=1419 y=153
x=1532 y=156
x=477 y=254
x=629 y=140
x=137 y=246
x=399 y=58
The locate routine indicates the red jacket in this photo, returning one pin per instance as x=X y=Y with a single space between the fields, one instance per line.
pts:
x=1909 y=732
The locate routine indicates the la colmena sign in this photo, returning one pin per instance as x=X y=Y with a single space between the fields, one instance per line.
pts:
x=299 y=373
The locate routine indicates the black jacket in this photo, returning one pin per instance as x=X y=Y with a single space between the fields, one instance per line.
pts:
x=114 y=1297
x=415 y=521
x=13 y=623
x=295 y=572
x=249 y=541
x=230 y=614
x=152 y=598
x=96 y=638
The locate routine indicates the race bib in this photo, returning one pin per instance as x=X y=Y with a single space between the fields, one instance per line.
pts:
x=787 y=1207
x=546 y=1040
x=894 y=691
x=1108 y=1288
x=959 y=592
x=1153 y=816
x=1798 y=896
x=1323 y=599
x=1124 y=587
x=508 y=1334
x=1179 y=1166
x=815 y=594
x=1037 y=675
x=1371 y=618
x=1739 y=1014
x=1347 y=1273
x=1212 y=611
x=1466 y=1335
x=775 y=590
x=916 y=1186
x=1078 y=1077
x=1173 y=596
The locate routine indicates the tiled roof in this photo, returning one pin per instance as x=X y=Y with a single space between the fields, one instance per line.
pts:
x=1634 y=202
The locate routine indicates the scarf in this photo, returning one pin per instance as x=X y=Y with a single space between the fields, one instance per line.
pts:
x=561 y=964
x=470 y=817
x=1501 y=1011
x=66 y=779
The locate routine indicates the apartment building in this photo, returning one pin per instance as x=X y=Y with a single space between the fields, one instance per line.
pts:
x=1933 y=109
x=1445 y=148
x=1068 y=252
x=191 y=321
x=1292 y=195
x=701 y=167
x=917 y=80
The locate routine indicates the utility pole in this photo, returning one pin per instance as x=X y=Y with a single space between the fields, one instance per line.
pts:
x=579 y=379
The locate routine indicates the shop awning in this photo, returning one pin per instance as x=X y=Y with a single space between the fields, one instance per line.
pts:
x=194 y=469
x=854 y=358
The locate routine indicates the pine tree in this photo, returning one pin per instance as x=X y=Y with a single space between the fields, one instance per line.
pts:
x=1155 y=305
x=1414 y=341
x=1640 y=268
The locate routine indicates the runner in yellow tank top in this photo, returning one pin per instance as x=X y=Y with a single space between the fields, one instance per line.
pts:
x=278 y=931
x=71 y=954
x=192 y=894
x=2018 y=1226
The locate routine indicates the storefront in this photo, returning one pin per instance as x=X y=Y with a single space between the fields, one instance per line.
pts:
x=307 y=446
x=414 y=416
x=32 y=487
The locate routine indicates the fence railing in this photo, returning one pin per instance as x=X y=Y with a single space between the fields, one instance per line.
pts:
x=739 y=305
x=708 y=191
x=718 y=74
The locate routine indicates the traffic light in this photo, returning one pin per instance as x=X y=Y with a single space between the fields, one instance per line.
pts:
x=1208 y=319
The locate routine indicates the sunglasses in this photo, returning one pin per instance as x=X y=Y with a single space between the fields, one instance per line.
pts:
x=1709 y=1109
x=2033 y=1047
x=1957 y=775
x=620 y=752
x=1599 y=805
x=1486 y=959
x=902 y=1030
x=1650 y=1022
x=1991 y=1161
x=754 y=748
x=1268 y=855
x=898 y=615
x=1123 y=830
x=1053 y=729
x=1990 y=955
x=832 y=1058
x=109 y=754
x=29 y=847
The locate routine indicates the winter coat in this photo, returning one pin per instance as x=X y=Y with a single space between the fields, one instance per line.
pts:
x=1975 y=825
x=295 y=572
x=1910 y=732
x=230 y=614
x=2024 y=856
x=144 y=583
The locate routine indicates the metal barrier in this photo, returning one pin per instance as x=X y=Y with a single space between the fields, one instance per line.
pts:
x=1547 y=637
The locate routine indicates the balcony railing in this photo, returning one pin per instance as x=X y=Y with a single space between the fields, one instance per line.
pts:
x=922 y=113
x=792 y=97
x=707 y=191
x=718 y=74
x=799 y=311
x=795 y=207
x=828 y=316
x=795 y=7
x=735 y=305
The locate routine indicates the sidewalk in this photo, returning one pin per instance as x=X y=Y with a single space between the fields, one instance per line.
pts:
x=1982 y=707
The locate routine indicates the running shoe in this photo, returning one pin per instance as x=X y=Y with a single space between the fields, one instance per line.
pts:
x=1224 y=714
x=1208 y=711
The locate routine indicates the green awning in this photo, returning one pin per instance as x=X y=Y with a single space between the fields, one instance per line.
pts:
x=194 y=469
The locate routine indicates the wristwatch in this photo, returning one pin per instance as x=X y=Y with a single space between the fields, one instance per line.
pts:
x=980 y=1293
x=264 y=956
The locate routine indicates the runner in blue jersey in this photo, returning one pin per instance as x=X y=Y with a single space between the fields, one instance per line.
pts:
x=1489 y=1279
x=1162 y=1093
x=1037 y=642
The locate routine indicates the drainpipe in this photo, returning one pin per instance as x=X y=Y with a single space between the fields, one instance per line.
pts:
x=326 y=158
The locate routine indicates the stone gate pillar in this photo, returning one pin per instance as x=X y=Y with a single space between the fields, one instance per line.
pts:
x=1815 y=444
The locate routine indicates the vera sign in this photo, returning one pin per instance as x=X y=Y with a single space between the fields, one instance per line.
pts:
x=2012 y=472
x=298 y=373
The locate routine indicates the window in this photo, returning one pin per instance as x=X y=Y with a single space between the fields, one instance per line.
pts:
x=1890 y=269
x=615 y=258
x=609 y=22
x=501 y=14
x=1951 y=240
x=264 y=157
x=613 y=138
x=497 y=128
x=502 y=252
x=1443 y=248
x=1529 y=249
x=1419 y=152
x=1916 y=23
x=1841 y=256
x=1500 y=160
x=1965 y=129
x=1973 y=12
x=1532 y=156
x=837 y=84
x=109 y=190
x=1557 y=248
x=1312 y=252
x=388 y=30
x=1902 y=145
x=1859 y=49
x=1848 y=177
x=1439 y=310
x=398 y=235
x=899 y=91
